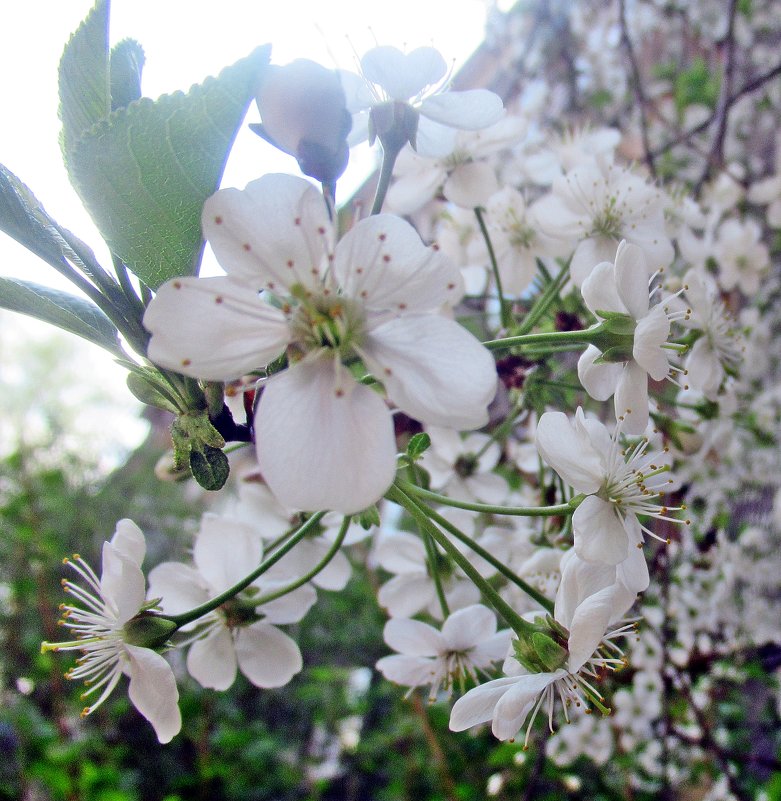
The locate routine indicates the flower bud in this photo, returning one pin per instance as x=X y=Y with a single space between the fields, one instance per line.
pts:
x=303 y=111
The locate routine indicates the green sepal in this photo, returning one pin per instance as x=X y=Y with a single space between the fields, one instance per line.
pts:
x=148 y=630
x=368 y=517
x=614 y=355
x=210 y=467
x=552 y=655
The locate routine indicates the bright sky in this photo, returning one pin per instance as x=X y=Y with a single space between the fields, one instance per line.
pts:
x=184 y=41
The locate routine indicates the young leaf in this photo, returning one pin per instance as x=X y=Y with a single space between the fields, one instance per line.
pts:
x=210 y=467
x=62 y=309
x=85 y=97
x=127 y=63
x=145 y=171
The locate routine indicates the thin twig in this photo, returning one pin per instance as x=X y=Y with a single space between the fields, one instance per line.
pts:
x=637 y=85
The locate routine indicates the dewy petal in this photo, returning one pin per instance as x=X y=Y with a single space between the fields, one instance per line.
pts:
x=403 y=75
x=212 y=660
x=383 y=263
x=588 y=626
x=600 y=535
x=153 y=691
x=129 y=540
x=271 y=235
x=632 y=397
x=599 y=380
x=122 y=583
x=213 y=328
x=478 y=705
x=631 y=278
x=433 y=370
x=471 y=110
x=568 y=451
x=600 y=292
x=225 y=551
x=267 y=656
x=514 y=706
x=467 y=627
x=312 y=428
x=413 y=638
x=471 y=185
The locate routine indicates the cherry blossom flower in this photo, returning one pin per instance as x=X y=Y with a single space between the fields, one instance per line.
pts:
x=741 y=255
x=109 y=618
x=376 y=296
x=465 y=174
x=620 y=485
x=240 y=633
x=719 y=349
x=417 y=80
x=467 y=645
x=462 y=468
x=601 y=203
x=622 y=288
x=584 y=651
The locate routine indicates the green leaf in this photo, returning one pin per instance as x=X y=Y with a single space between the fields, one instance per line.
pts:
x=23 y=218
x=145 y=171
x=210 y=467
x=62 y=309
x=418 y=445
x=127 y=63
x=85 y=97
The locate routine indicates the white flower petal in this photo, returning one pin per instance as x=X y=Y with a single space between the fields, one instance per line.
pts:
x=514 y=706
x=409 y=671
x=275 y=233
x=180 y=586
x=312 y=429
x=213 y=328
x=434 y=370
x=563 y=446
x=599 y=380
x=650 y=335
x=579 y=580
x=631 y=279
x=403 y=75
x=631 y=398
x=468 y=627
x=406 y=594
x=478 y=705
x=588 y=254
x=383 y=262
x=291 y=607
x=225 y=551
x=471 y=110
x=471 y=185
x=413 y=638
x=153 y=691
x=599 y=290
x=588 y=626
x=267 y=656
x=129 y=540
x=212 y=660
x=600 y=535
x=122 y=584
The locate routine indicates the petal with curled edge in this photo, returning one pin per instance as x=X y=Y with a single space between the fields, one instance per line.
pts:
x=153 y=691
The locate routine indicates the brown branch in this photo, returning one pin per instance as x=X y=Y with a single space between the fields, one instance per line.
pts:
x=637 y=86
x=748 y=88
x=440 y=761
x=716 y=154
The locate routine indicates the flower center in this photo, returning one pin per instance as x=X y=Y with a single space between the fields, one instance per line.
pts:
x=326 y=321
